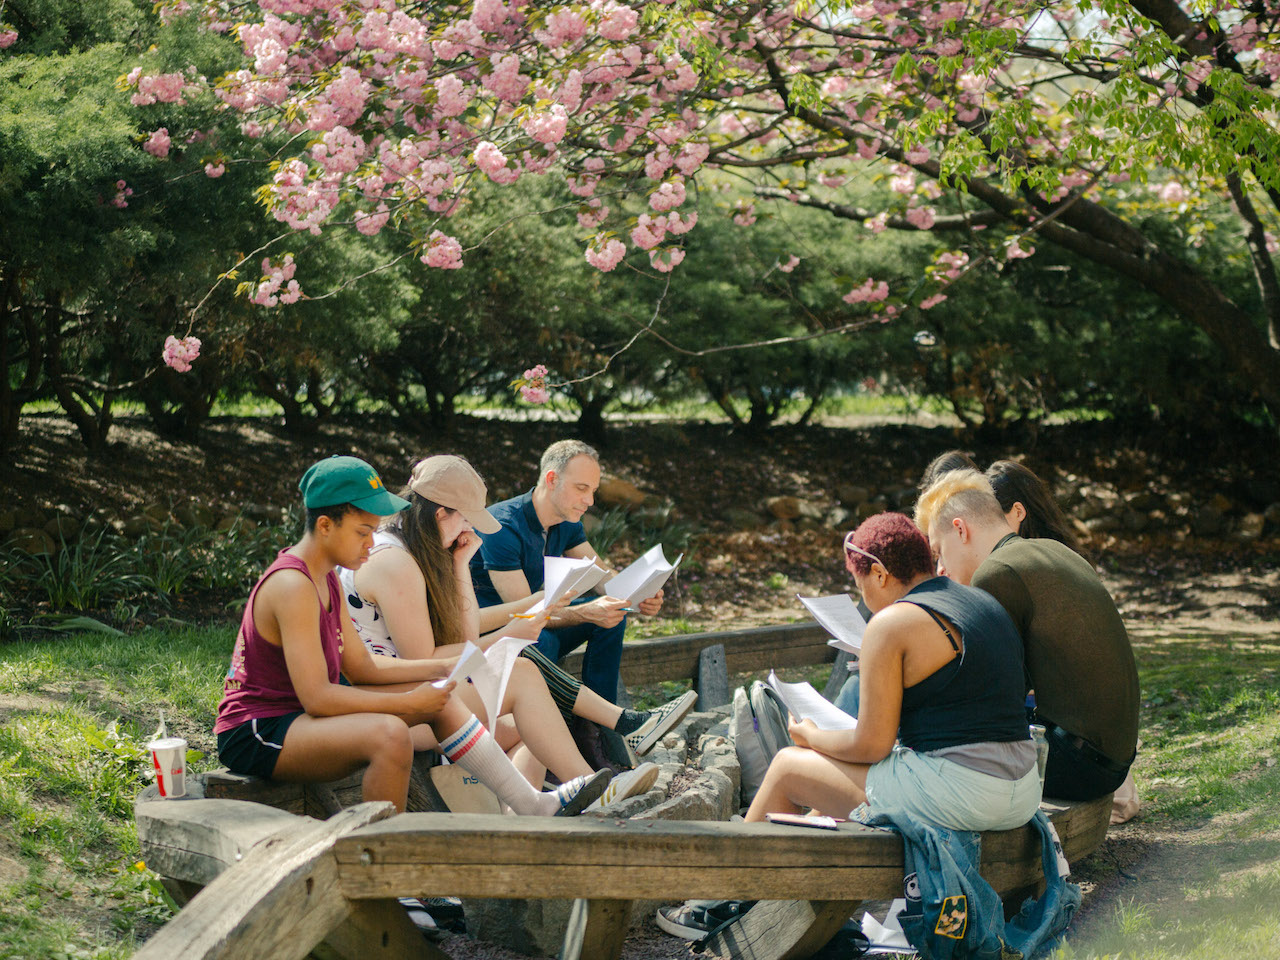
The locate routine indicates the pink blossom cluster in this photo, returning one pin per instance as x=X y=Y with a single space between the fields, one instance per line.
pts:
x=533 y=385
x=442 y=251
x=274 y=276
x=123 y=192
x=668 y=196
x=869 y=292
x=161 y=87
x=214 y=169
x=301 y=202
x=922 y=218
x=1018 y=250
x=8 y=36
x=666 y=259
x=604 y=253
x=158 y=143
x=792 y=262
x=179 y=354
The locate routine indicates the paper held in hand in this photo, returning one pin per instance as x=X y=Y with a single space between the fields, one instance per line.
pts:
x=488 y=671
x=804 y=702
x=565 y=575
x=839 y=616
x=643 y=578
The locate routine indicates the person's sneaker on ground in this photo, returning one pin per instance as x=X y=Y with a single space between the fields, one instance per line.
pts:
x=632 y=783
x=421 y=918
x=695 y=919
x=661 y=721
x=576 y=795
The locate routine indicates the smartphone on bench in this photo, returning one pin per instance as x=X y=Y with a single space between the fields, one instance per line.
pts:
x=797 y=820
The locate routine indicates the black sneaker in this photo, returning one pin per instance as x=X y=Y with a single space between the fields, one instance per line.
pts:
x=662 y=720
x=697 y=919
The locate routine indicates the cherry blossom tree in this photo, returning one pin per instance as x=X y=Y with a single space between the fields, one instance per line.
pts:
x=1003 y=125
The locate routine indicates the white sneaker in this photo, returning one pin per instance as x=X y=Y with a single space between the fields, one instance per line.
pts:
x=662 y=720
x=630 y=783
x=580 y=792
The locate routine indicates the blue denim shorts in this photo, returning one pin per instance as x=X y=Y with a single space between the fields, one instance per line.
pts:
x=252 y=748
x=939 y=791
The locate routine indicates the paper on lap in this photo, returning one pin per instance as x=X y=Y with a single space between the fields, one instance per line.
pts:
x=806 y=703
x=839 y=616
x=643 y=578
x=466 y=661
x=562 y=575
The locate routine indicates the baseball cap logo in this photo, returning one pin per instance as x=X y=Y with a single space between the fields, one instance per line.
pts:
x=375 y=481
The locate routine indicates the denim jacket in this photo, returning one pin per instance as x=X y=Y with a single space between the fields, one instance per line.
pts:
x=953 y=913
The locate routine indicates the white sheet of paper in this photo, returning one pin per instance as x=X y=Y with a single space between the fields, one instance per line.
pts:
x=804 y=702
x=887 y=937
x=644 y=577
x=560 y=575
x=839 y=616
x=466 y=661
x=490 y=678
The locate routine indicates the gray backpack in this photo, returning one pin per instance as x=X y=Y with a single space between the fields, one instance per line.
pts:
x=759 y=731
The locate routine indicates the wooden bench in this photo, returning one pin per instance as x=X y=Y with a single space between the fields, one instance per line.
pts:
x=280 y=885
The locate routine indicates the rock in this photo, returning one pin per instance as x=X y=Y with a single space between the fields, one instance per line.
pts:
x=839 y=519
x=193 y=515
x=139 y=526
x=811 y=510
x=157 y=512
x=1272 y=515
x=262 y=512
x=29 y=518
x=1206 y=521
x=615 y=492
x=1145 y=500
x=62 y=527
x=807 y=524
x=1134 y=521
x=8 y=520
x=741 y=518
x=236 y=522
x=1251 y=525
x=782 y=526
x=783 y=508
x=1222 y=503
x=868 y=509
x=1106 y=523
x=851 y=494
x=32 y=542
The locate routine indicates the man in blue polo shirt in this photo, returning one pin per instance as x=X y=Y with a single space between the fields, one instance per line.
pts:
x=547 y=522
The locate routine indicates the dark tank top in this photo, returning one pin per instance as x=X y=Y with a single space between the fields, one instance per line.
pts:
x=978 y=697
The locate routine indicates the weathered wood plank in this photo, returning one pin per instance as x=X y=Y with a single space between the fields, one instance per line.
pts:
x=783 y=929
x=279 y=901
x=597 y=929
x=195 y=840
x=376 y=930
x=750 y=650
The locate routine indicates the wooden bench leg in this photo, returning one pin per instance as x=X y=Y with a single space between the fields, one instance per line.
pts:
x=596 y=930
x=783 y=929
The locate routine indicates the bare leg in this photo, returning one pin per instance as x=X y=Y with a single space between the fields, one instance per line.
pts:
x=318 y=749
x=591 y=706
x=530 y=767
x=799 y=777
x=540 y=724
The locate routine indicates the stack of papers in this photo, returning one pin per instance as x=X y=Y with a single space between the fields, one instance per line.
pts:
x=562 y=576
x=488 y=671
x=643 y=578
x=804 y=702
x=839 y=616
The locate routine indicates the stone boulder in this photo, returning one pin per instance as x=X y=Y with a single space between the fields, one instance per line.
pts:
x=782 y=508
x=193 y=515
x=32 y=542
x=741 y=518
x=63 y=527
x=851 y=494
x=1272 y=516
x=1251 y=526
x=616 y=492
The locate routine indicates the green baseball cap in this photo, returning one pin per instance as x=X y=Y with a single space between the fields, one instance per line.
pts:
x=348 y=480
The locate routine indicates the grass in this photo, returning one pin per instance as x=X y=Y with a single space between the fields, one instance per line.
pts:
x=75 y=711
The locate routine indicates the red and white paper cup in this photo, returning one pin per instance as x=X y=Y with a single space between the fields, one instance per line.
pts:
x=170 y=758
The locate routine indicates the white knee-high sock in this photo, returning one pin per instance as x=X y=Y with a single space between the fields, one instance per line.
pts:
x=473 y=748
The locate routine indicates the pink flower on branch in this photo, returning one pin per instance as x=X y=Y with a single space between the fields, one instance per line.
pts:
x=604 y=253
x=179 y=354
x=533 y=385
x=158 y=143
x=8 y=37
x=869 y=292
x=274 y=276
x=443 y=251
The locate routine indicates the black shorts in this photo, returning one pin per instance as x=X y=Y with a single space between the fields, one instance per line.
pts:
x=252 y=748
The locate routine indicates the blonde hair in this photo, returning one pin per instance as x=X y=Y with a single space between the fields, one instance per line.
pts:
x=958 y=493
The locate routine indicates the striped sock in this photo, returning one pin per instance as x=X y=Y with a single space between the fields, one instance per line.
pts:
x=474 y=749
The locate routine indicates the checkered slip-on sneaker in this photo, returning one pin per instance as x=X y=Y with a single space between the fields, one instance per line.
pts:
x=662 y=720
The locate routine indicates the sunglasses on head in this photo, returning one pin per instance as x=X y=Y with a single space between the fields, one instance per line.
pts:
x=851 y=547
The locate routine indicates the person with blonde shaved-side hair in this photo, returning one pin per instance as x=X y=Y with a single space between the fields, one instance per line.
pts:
x=1078 y=657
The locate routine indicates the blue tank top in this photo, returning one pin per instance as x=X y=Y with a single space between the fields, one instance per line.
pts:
x=978 y=696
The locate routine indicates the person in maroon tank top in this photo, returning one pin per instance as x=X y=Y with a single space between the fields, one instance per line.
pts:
x=305 y=701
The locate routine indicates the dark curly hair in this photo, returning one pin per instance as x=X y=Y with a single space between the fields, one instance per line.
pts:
x=895 y=541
